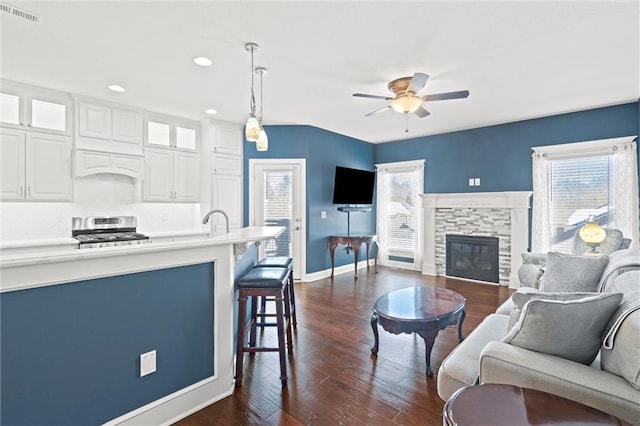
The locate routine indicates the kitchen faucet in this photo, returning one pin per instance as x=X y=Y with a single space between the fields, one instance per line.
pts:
x=205 y=219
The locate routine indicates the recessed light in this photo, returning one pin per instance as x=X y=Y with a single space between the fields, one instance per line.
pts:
x=202 y=61
x=116 y=88
x=211 y=111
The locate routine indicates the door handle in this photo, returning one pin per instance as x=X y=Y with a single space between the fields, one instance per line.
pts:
x=297 y=228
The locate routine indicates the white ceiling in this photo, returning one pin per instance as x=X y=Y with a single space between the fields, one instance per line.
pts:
x=519 y=60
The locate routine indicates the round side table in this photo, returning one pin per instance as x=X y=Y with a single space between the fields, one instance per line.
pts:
x=494 y=404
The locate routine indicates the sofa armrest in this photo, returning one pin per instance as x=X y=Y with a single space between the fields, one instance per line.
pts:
x=508 y=364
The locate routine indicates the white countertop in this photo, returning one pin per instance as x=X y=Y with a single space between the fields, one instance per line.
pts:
x=66 y=265
x=240 y=236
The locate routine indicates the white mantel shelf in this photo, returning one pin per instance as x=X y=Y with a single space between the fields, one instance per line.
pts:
x=511 y=199
x=516 y=201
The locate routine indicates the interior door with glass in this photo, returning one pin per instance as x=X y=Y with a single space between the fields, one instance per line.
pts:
x=277 y=198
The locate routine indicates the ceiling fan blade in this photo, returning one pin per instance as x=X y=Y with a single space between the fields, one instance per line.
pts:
x=417 y=82
x=421 y=112
x=378 y=111
x=447 y=95
x=363 y=95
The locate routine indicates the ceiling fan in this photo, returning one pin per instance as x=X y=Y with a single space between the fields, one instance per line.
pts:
x=406 y=99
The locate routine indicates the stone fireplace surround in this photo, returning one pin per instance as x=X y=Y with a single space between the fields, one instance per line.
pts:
x=489 y=214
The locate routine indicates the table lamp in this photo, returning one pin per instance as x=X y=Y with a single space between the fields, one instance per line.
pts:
x=592 y=233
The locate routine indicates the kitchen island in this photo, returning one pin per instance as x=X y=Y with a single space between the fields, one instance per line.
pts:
x=75 y=322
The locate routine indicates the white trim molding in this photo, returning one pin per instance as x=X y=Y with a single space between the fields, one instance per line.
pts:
x=582 y=149
x=516 y=201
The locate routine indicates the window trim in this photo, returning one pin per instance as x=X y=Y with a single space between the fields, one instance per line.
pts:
x=582 y=149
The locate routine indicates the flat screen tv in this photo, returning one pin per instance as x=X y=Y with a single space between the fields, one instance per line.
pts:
x=352 y=186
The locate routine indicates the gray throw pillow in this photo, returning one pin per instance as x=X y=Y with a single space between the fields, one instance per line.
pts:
x=623 y=358
x=523 y=295
x=570 y=329
x=572 y=273
x=534 y=258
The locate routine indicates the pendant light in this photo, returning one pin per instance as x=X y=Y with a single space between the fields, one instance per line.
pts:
x=262 y=144
x=252 y=128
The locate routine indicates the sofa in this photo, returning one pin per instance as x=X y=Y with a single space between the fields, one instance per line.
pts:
x=579 y=343
x=533 y=264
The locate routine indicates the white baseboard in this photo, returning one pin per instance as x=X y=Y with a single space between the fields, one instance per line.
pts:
x=176 y=406
x=348 y=268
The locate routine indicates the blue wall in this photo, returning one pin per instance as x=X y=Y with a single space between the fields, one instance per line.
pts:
x=323 y=150
x=501 y=155
x=70 y=352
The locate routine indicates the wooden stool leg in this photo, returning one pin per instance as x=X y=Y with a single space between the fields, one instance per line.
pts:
x=254 y=321
x=292 y=295
x=280 y=326
x=242 y=313
x=287 y=316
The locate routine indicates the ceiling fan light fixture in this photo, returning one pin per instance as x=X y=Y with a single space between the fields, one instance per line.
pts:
x=406 y=104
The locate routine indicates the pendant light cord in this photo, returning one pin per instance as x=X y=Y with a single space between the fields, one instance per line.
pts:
x=253 y=98
x=261 y=102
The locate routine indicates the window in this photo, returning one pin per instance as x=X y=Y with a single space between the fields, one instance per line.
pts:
x=579 y=188
x=399 y=214
x=572 y=182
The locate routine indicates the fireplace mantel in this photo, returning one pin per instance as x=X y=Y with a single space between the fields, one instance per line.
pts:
x=516 y=202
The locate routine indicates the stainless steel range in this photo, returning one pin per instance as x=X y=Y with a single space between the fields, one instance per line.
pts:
x=106 y=231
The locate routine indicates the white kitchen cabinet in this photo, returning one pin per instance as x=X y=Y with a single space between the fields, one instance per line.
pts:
x=226 y=194
x=126 y=126
x=226 y=164
x=171 y=176
x=227 y=138
x=27 y=107
x=109 y=123
x=95 y=162
x=172 y=132
x=94 y=121
x=35 y=166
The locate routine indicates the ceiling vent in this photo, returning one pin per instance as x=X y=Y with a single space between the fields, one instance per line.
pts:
x=20 y=13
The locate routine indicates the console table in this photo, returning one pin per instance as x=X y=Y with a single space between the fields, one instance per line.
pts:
x=354 y=241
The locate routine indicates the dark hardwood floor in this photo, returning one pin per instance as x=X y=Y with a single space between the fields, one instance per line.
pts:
x=333 y=378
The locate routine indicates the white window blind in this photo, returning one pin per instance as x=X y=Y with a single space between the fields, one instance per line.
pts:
x=579 y=188
x=402 y=194
x=278 y=210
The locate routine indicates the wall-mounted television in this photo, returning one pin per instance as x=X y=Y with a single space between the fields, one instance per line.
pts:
x=353 y=186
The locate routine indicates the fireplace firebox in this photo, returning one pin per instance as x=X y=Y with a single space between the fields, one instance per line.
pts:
x=472 y=257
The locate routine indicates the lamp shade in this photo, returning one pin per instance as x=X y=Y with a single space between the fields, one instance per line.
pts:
x=252 y=129
x=262 y=144
x=592 y=233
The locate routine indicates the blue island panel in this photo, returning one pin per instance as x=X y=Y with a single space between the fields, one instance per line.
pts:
x=70 y=353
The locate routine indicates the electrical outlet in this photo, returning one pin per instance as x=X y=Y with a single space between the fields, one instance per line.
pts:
x=472 y=182
x=477 y=181
x=147 y=363
x=323 y=214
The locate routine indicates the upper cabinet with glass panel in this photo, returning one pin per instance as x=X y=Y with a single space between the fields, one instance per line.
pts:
x=170 y=132
x=34 y=108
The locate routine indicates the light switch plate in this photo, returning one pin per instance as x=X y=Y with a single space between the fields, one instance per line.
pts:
x=472 y=182
x=147 y=363
x=323 y=214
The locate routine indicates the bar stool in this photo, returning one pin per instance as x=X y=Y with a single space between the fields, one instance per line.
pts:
x=263 y=282
x=280 y=262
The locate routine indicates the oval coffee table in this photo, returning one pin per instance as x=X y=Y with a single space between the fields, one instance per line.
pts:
x=421 y=310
